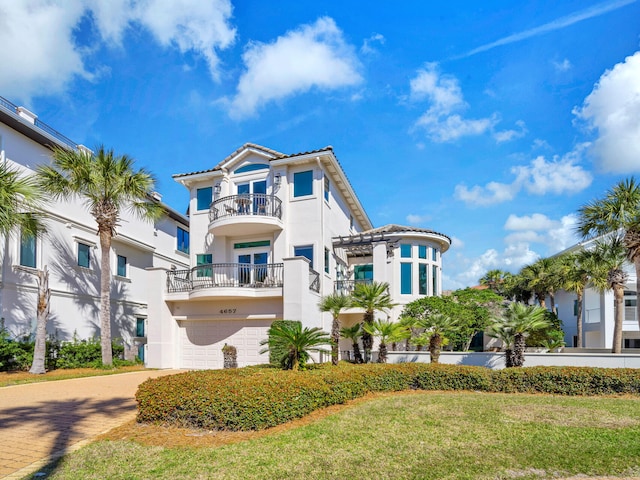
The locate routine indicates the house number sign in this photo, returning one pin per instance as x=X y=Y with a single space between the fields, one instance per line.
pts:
x=227 y=310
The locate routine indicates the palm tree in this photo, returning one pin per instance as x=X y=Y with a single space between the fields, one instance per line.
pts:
x=108 y=184
x=19 y=202
x=577 y=274
x=371 y=297
x=618 y=213
x=608 y=274
x=335 y=303
x=516 y=323
x=353 y=333
x=293 y=343
x=495 y=279
x=544 y=278
x=437 y=326
x=387 y=331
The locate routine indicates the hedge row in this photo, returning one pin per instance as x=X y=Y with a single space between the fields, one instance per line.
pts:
x=257 y=398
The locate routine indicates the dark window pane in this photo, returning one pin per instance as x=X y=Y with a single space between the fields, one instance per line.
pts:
x=303 y=183
x=84 y=257
x=405 y=278
x=422 y=273
x=28 y=251
x=306 y=251
x=122 y=266
x=183 y=240
x=204 y=196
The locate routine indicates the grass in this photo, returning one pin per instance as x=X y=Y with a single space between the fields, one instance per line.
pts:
x=411 y=435
x=20 y=377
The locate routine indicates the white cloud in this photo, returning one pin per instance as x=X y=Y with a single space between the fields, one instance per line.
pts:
x=537 y=221
x=492 y=193
x=367 y=46
x=311 y=56
x=563 y=66
x=457 y=243
x=415 y=219
x=40 y=45
x=538 y=228
x=613 y=109
x=508 y=135
x=441 y=121
x=558 y=176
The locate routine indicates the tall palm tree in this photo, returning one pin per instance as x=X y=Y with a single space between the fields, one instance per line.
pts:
x=19 y=202
x=335 y=303
x=608 y=273
x=514 y=325
x=387 y=331
x=578 y=268
x=495 y=279
x=437 y=326
x=544 y=278
x=294 y=343
x=371 y=297
x=617 y=213
x=108 y=184
x=353 y=333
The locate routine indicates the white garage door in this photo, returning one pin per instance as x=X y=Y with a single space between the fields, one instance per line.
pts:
x=201 y=342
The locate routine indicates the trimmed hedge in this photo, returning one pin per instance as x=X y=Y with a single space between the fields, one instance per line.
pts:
x=256 y=398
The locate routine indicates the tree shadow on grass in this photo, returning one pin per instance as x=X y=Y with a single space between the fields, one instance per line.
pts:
x=62 y=420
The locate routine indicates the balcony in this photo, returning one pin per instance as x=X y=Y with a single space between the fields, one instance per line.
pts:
x=346 y=287
x=228 y=280
x=247 y=213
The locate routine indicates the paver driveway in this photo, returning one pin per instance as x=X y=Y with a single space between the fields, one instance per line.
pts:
x=42 y=421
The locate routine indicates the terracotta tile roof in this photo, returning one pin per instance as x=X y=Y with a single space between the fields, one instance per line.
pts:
x=394 y=228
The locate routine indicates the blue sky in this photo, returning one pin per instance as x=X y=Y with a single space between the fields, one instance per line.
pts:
x=491 y=122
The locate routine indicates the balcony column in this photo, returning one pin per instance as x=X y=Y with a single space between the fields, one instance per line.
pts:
x=380 y=263
x=299 y=302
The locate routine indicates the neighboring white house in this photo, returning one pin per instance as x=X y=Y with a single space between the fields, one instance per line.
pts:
x=598 y=315
x=70 y=250
x=270 y=235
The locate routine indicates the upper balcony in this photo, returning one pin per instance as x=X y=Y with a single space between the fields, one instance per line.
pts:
x=246 y=213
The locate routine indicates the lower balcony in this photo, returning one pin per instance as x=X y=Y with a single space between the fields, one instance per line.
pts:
x=227 y=280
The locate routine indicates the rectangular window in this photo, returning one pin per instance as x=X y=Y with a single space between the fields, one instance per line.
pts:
x=434 y=272
x=121 y=269
x=575 y=308
x=422 y=251
x=303 y=183
x=304 y=251
x=141 y=352
x=326 y=260
x=405 y=278
x=363 y=273
x=140 y=327
x=84 y=255
x=183 y=240
x=422 y=278
x=204 y=259
x=327 y=185
x=434 y=254
x=28 y=251
x=204 y=196
x=405 y=250
x=259 y=243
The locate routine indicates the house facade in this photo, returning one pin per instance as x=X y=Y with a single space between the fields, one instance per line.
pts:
x=70 y=251
x=270 y=235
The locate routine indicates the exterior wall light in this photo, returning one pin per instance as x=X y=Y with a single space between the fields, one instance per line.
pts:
x=217 y=189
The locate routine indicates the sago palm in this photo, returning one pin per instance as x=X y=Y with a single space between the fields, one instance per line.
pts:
x=353 y=333
x=335 y=304
x=292 y=343
x=371 y=297
x=108 y=184
x=618 y=213
x=437 y=326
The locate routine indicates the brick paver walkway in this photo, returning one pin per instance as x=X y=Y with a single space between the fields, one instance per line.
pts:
x=42 y=421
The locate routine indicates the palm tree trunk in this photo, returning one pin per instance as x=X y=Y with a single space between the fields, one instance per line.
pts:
x=618 y=295
x=508 y=357
x=357 y=356
x=541 y=300
x=552 y=301
x=40 y=348
x=435 y=343
x=519 y=345
x=579 y=319
x=335 y=338
x=105 y=297
x=382 y=353
x=367 y=338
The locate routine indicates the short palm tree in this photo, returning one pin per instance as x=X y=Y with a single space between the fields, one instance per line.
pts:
x=371 y=297
x=617 y=213
x=335 y=303
x=437 y=326
x=19 y=202
x=353 y=333
x=386 y=331
x=292 y=343
x=108 y=184
x=516 y=323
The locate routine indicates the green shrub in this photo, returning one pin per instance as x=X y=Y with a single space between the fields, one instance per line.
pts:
x=255 y=398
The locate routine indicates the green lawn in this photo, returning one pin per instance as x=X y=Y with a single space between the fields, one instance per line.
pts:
x=411 y=436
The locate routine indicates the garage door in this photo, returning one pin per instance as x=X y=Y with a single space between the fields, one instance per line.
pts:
x=201 y=342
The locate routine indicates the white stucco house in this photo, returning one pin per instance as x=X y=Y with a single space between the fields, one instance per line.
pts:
x=598 y=313
x=70 y=250
x=270 y=235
